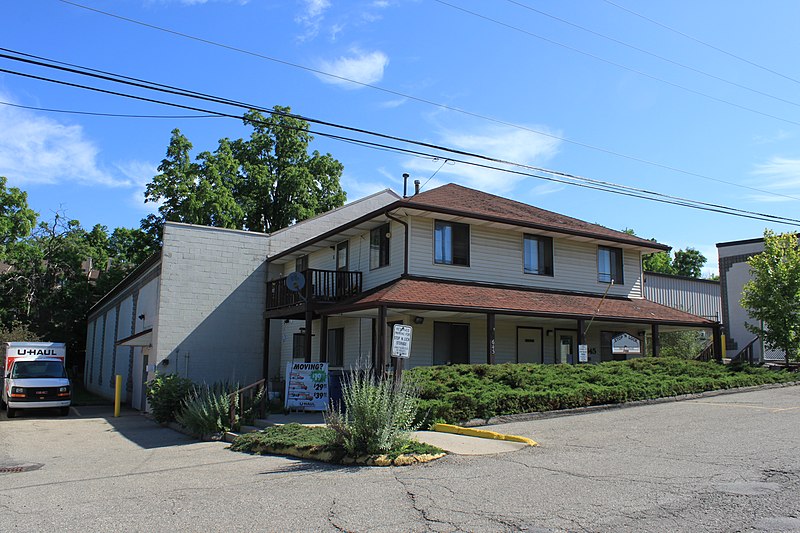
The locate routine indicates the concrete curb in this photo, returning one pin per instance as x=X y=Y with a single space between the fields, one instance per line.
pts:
x=361 y=460
x=482 y=433
x=524 y=417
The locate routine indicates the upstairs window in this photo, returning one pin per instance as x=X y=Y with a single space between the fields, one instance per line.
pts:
x=301 y=264
x=451 y=243
x=609 y=265
x=342 y=255
x=538 y=252
x=379 y=247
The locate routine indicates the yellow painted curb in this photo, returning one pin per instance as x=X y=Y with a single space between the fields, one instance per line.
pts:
x=482 y=433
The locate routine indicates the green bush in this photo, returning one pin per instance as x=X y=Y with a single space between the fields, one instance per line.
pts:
x=166 y=392
x=377 y=415
x=457 y=393
x=207 y=409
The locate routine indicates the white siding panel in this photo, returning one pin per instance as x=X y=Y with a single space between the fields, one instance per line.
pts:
x=496 y=257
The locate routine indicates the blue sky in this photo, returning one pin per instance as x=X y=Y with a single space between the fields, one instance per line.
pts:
x=572 y=86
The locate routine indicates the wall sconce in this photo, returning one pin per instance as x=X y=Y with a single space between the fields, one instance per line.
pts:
x=549 y=332
x=419 y=319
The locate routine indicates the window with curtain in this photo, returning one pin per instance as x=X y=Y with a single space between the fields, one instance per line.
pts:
x=451 y=243
x=538 y=254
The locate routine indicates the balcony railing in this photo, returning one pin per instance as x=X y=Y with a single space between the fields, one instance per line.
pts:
x=321 y=286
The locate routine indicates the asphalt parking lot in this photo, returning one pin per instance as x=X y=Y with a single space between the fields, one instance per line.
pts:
x=727 y=463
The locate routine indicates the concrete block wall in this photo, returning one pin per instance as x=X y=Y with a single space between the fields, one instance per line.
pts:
x=211 y=307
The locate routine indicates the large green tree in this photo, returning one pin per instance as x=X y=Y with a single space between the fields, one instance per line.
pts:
x=16 y=218
x=688 y=262
x=772 y=296
x=263 y=183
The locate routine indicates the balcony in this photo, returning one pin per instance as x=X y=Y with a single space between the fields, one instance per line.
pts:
x=321 y=287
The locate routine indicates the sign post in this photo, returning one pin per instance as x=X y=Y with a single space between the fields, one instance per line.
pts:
x=401 y=348
x=306 y=386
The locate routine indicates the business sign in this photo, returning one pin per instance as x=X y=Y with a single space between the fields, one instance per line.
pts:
x=583 y=353
x=401 y=341
x=625 y=343
x=307 y=386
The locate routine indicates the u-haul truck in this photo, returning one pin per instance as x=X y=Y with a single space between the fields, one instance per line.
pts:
x=35 y=377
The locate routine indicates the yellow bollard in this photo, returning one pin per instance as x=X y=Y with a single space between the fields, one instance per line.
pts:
x=117 y=395
x=722 y=339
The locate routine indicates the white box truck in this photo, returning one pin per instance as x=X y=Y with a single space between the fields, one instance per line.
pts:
x=34 y=377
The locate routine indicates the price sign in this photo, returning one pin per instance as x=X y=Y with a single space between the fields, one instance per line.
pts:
x=307 y=386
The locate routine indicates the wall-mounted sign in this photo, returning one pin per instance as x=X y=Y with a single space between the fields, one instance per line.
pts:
x=625 y=343
x=307 y=386
x=401 y=341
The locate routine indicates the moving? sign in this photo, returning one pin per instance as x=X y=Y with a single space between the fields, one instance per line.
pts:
x=307 y=386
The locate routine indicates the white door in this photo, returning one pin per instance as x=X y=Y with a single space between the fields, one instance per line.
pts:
x=140 y=357
x=529 y=345
x=566 y=347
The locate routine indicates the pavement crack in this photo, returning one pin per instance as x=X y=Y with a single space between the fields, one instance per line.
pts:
x=423 y=513
x=332 y=517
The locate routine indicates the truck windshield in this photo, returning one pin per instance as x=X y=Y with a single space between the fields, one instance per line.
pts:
x=38 y=369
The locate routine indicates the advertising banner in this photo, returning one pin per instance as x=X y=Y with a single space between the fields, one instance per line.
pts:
x=307 y=386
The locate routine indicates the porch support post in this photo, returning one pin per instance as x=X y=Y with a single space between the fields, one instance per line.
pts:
x=265 y=361
x=382 y=341
x=717 y=332
x=323 y=340
x=656 y=341
x=490 y=338
x=581 y=339
x=307 y=337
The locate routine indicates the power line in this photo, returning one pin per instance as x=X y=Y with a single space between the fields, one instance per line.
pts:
x=704 y=43
x=97 y=114
x=428 y=102
x=618 y=65
x=653 y=54
x=562 y=177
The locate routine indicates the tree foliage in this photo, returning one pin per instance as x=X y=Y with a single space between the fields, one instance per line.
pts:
x=16 y=218
x=263 y=183
x=772 y=296
x=688 y=263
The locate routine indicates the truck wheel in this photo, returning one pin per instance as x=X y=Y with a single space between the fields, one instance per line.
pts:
x=11 y=413
x=63 y=411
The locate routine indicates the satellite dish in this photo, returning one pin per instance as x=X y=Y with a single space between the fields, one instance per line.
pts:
x=295 y=281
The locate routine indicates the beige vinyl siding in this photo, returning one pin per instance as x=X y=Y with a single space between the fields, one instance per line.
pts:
x=357 y=341
x=496 y=257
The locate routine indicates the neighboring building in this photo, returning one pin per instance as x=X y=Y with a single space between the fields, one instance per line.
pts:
x=197 y=308
x=734 y=272
x=481 y=279
x=697 y=296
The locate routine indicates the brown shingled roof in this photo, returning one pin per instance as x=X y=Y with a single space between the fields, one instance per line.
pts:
x=478 y=204
x=480 y=298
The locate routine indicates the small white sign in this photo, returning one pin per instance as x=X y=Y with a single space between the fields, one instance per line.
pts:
x=583 y=353
x=307 y=386
x=401 y=341
x=625 y=343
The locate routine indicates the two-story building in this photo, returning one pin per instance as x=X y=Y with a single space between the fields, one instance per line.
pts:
x=480 y=278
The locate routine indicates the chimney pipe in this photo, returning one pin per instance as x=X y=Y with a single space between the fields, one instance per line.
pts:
x=416 y=187
x=405 y=184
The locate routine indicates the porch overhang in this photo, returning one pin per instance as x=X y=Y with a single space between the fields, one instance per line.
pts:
x=143 y=338
x=443 y=295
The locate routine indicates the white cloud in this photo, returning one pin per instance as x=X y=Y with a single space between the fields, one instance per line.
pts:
x=139 y=173
x=780 y=175
x=363 y=67
x=311 y=18
x=500 y=142
x=391 y=104
x=780 y=135
x=37 y=149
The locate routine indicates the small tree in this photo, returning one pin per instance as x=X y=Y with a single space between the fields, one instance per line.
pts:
x=772 y=296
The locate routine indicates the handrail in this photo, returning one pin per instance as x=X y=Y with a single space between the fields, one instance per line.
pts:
x=240 y=394
x=707 y=353
x=746 y=351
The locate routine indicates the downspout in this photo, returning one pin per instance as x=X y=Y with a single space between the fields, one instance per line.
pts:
x=405 y=255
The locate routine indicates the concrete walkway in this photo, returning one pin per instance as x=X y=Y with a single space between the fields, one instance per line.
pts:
x=455 y=444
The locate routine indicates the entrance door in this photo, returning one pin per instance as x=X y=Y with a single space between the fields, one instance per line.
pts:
x=566 y=346
x=529 y=345
x=140 y=357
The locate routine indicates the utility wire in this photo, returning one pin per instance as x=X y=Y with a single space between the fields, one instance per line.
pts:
x=428 y=102
x=571 y=179
x=601 y=184
x=96 y=114
x=618 y=65
x=653 y=54
x=704 y=43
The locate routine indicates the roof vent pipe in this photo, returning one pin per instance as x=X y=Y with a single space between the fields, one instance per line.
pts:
x=416 y=187
x=405 y=185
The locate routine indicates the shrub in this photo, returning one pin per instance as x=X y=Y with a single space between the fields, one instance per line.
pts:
x=166 y=392
x=207 y=409
x=377 y=413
